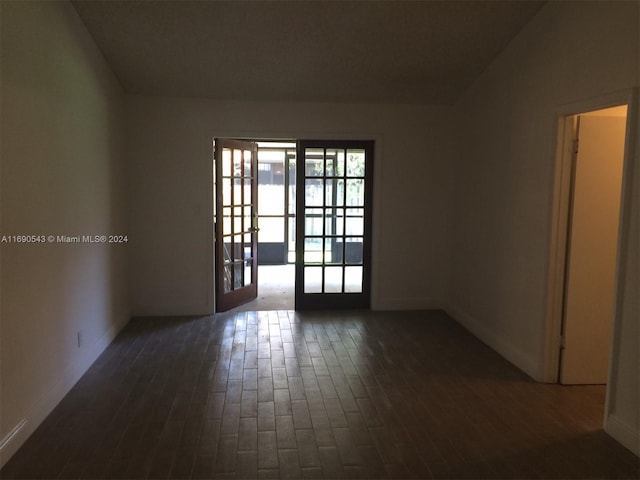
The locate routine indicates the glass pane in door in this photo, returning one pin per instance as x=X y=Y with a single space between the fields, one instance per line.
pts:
x=333 y=239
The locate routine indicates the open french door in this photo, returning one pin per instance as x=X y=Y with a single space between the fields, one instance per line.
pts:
x=236 y=215
x=333 y=227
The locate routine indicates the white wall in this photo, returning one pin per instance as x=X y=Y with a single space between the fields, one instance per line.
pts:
x=62 y=174
x=570 y=52
x=170 y=159
x=623 y=408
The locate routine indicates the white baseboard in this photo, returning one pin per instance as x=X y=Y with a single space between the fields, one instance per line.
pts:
x=11 y=435
x=622 y=432
x=171 y=310
x=39 y=409
x=496 y=341
x=418 y=303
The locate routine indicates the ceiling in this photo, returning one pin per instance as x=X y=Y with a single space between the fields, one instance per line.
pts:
x=360 y=51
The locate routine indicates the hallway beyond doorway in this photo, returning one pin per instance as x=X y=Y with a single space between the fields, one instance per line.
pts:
x=276 y=285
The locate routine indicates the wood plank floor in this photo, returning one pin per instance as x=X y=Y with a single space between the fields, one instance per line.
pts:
x=317 y=395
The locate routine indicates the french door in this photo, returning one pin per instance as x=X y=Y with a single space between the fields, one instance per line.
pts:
x=236 y=215
x=333 y=224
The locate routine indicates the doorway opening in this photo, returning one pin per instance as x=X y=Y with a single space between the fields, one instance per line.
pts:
x=254 y=220
x=264 y=259
x=592 y=245
x=276 y=202
x=592 y=156
x=277 y=226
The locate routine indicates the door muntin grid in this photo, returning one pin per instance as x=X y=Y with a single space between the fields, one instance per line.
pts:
x=333 y=231
x=238 y=218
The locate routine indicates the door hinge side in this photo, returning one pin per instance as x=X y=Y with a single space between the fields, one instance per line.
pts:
x=563 y=341
x=574 y=146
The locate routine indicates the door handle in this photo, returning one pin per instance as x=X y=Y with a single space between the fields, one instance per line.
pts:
x=254 y=224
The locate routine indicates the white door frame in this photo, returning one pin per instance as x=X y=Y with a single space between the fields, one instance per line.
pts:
x=559 y=226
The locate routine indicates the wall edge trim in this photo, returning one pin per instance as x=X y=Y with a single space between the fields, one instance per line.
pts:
x=38 y=411
x=496 y=342
x=623 y=433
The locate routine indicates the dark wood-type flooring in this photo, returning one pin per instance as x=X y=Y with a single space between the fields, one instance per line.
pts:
x=317 y=395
